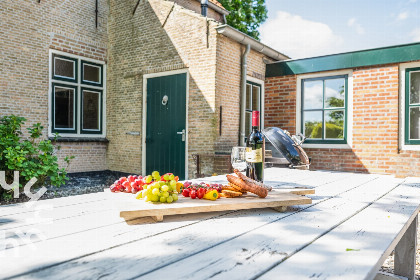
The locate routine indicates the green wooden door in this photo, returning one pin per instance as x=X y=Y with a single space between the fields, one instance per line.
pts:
x=165 y=145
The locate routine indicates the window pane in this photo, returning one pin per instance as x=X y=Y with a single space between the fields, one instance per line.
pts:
x=91 y=73
x=312 y=94
x=415 y=123
x=248 y=96
x=63 y=67
x=334 y=124
x=313 y=124
x=334 y=93
x=414 y=87
x=64 y=107
x=248 y=117
x=256 y=98
x=91 y=110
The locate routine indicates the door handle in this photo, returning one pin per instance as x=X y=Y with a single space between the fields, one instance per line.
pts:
x=183 y=134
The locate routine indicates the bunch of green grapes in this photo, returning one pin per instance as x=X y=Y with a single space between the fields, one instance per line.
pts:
x=159 y=191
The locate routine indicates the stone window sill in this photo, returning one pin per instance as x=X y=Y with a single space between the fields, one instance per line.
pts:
x=79 y=139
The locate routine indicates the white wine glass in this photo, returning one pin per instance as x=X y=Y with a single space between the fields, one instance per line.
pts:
x=238 y=158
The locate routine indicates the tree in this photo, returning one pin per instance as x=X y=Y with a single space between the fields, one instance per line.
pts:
x=246 y=15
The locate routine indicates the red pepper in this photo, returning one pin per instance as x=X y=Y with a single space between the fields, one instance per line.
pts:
x=176 y=178
x=201 y=192
x=186 y=192
x=193 y=194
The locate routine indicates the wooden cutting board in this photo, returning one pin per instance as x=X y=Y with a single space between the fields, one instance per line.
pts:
x=277 y=199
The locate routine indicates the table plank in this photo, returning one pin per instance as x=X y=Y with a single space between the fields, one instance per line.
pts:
x=254 y=252
x=373 y=233
x=169 y=247
x=89 y=233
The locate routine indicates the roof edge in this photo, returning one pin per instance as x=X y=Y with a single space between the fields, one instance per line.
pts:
x=223 y=11
x=245 y=39
x=354 y=59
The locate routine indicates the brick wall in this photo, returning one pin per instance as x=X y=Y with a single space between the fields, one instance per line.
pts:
x=159 y=37
x=228 y=88
x=28 y=30
x=375 y=123
x=280 y=103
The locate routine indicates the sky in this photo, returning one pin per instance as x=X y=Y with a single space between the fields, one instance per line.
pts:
x=307 y=28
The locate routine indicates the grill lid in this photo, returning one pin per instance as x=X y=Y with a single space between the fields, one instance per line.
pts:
x=283 y=143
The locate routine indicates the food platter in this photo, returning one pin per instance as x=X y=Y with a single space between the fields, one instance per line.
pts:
x=277 y=199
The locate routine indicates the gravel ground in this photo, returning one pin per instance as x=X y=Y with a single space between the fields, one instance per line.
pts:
x=389 y=263
x=79 y=183
x=91 y=182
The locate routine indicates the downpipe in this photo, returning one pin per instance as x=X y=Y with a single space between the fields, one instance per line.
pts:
x=243 y=95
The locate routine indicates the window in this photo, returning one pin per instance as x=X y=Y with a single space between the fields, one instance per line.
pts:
x=324 y=109
x=253 y=103
x=412 y=106
x=76 y=96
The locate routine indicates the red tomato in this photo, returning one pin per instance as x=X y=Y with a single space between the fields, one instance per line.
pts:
x=201 y=192
x=186 y=192
x=193 y=194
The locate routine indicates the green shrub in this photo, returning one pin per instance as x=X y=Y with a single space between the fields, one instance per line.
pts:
x=333 y=131
x=32 y=157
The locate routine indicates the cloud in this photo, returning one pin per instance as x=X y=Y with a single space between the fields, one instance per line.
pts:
x=298 y=37
x=415 y=34
x=402 y=16
x=354 y=24
x=412 y=1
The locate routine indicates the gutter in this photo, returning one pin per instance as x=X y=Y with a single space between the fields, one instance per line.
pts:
x=217 y=8
x=244 y=39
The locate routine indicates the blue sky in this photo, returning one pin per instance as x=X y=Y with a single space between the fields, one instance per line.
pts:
x=305 y=28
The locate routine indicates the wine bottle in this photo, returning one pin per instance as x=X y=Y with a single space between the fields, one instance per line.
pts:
x=255 y=151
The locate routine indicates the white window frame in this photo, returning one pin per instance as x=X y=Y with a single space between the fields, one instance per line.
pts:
x=262 y=100
x=79 y=86
x=349 y=73
x=402 y=146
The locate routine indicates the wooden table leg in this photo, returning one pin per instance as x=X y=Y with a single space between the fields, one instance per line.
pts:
x=158 y=218
x=280 y=209
x=405 y=252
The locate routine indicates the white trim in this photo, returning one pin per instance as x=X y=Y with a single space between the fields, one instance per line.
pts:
x=349 y=73
x=262 y=98
x=79 y=85
x=402 y=145
x=144 y=115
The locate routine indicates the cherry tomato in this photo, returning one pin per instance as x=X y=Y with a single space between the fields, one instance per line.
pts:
x=186 y=192
x=201 y=192
x=193 y=194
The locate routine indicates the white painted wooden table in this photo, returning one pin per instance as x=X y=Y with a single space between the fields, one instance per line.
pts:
x=353 y=224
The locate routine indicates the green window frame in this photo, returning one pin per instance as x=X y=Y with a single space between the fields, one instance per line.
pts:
x=409 y=105
x=53 y=108
x=73 y=79
x=91 y=131
x=87 y=82
x=324 y=109
x=80 y=86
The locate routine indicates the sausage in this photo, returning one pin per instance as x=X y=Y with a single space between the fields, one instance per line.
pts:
x=248 y=186
x=249 y=180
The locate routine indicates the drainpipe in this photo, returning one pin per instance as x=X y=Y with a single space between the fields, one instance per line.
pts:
x=204 y=6
x=243 y=95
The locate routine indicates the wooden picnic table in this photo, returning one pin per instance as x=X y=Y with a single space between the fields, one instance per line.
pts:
x=352 y=225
